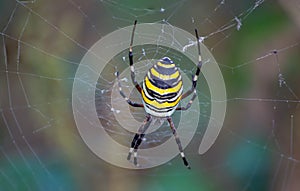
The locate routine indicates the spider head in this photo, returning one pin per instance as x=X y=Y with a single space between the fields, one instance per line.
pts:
x=166 y=60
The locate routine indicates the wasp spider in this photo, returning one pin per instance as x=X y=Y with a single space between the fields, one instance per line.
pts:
x=161 y=93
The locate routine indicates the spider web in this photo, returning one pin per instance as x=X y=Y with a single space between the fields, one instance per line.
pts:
x=256 y=44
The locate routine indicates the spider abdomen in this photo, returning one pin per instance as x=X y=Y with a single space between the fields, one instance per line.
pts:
x=162 y=88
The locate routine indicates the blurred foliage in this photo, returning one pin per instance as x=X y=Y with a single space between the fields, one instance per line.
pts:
x=267 y=23
x=27 y=174
x=59 y=33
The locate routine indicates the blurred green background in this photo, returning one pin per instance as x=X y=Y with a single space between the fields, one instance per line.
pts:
x=44 y=41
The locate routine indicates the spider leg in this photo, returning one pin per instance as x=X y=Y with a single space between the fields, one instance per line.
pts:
x=188 y=104
x=138 y=87
x=178 y=142
x=137 y=140
x=194 y=78
x=124 y=96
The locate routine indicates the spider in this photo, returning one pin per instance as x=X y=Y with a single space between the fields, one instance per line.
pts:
x=161 y=93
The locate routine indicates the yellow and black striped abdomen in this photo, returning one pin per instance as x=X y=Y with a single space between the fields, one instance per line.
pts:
x=162 y=88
